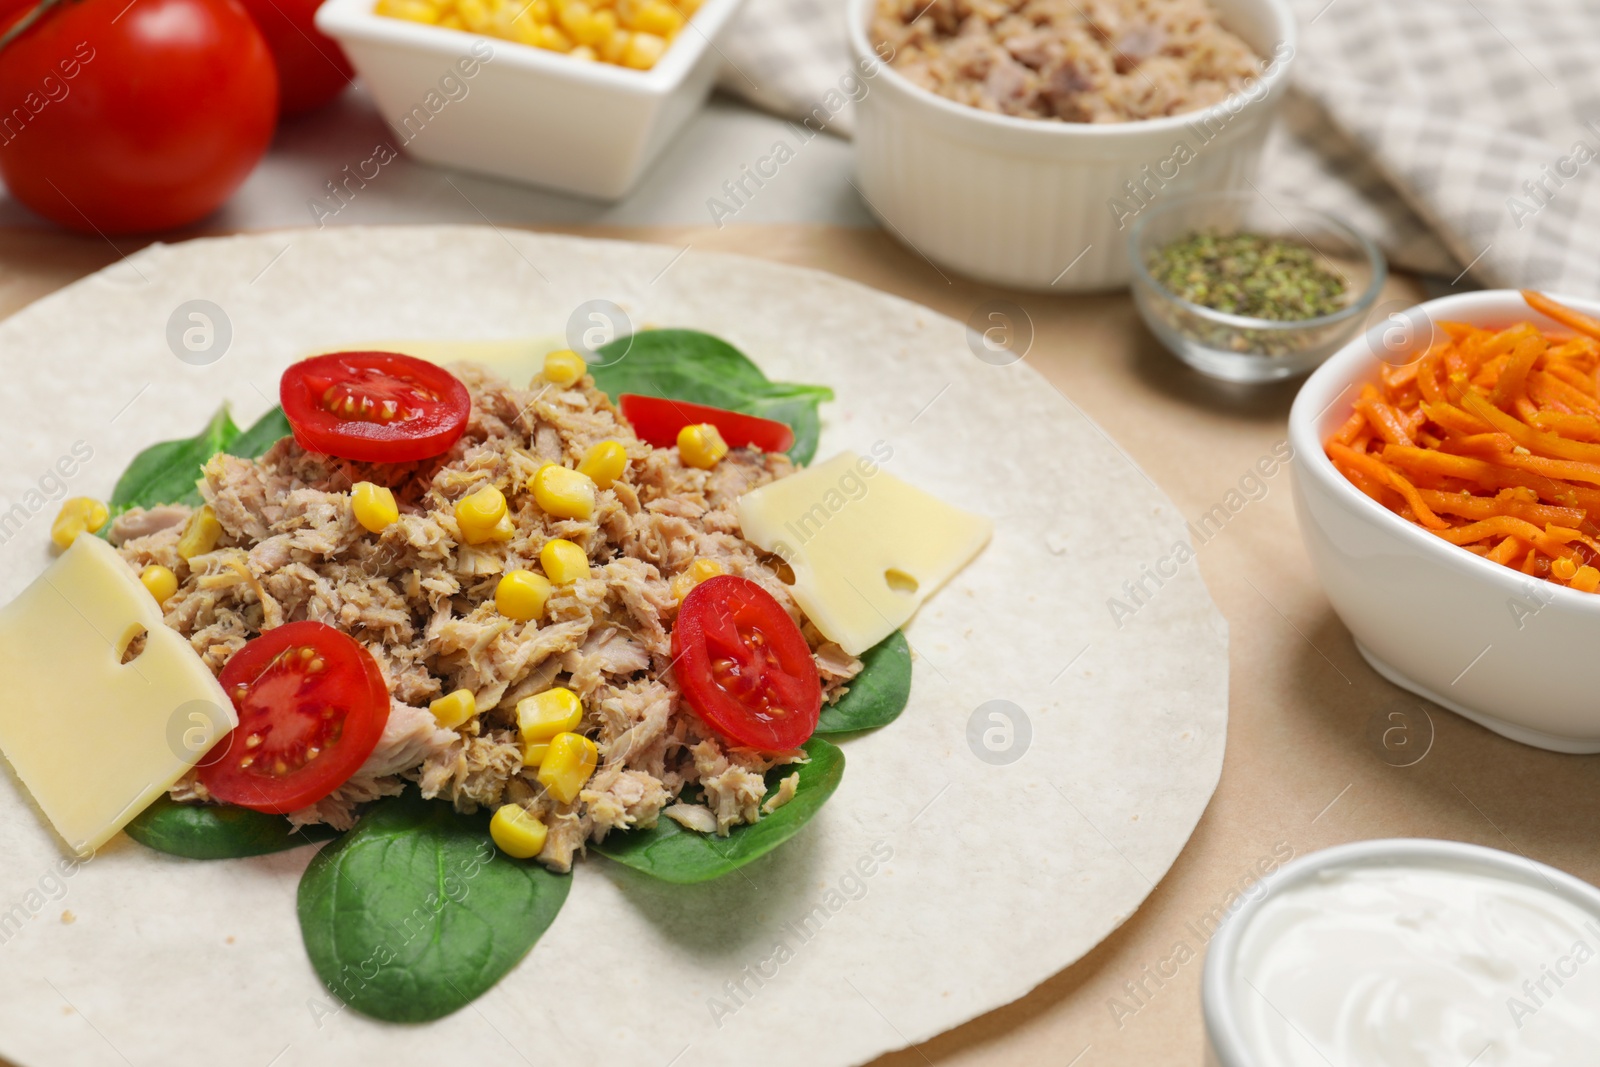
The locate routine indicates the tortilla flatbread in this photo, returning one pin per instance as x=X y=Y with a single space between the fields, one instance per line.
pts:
x=964 y=859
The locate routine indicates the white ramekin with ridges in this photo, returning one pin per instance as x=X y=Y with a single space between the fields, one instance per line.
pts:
x=1042 y=205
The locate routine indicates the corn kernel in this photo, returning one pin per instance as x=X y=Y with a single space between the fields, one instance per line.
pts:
x=517 y=833
x=701 y=569
x=526 y=31
x=412 y=10
x=568 y=11
x=161 y=582
x=201 y=535
x=521 y=595
x=1586 y=580
x=374 y=506
x=479 y=515
x=543 y=715
x=453 y=709
x=593 y=29
x=611 y=51
x=693 y=575
x=701 y=445
x=565 y=367
x=643 y=50
x=552 y=38
x=567 y=766
x=563 y=492
x=1563 y=568
x=534 y=754
x=604 y=463
x=563 y=561
x=80 y=514
x=583 y=29
x=658 y=18
x=623 y=32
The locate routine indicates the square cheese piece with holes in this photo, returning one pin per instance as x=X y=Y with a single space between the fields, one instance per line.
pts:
x=94 y=739
x=865 y=547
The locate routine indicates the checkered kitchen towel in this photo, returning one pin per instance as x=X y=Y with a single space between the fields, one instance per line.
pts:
x=1463 y=135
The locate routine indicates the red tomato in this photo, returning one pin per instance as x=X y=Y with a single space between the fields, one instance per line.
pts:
x=312 y=705
x=312 y=68
x=378 y=407
x=119 y=117
x=658 y=421
x=744 y=666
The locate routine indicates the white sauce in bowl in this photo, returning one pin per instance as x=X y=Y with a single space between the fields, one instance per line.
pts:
x=1417 y=965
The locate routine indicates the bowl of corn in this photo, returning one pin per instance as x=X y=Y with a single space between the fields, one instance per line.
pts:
x=575 y=95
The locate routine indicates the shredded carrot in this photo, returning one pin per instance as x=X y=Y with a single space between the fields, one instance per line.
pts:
x=1385 y=420
x=1574 y=377
x=1506 y=551
x=1506 y=526
x=1552 y=389
x=1352 y=426
x=1468 y=506
x=1381 y=472
x=1577 y=427
x=1490 y=440
x=1561 y=313
x=1534 y=440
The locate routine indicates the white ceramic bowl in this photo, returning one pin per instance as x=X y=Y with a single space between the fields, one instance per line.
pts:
x=525 y=113
x=1517 y=654
x=1226 y=1045
x=1033 y=204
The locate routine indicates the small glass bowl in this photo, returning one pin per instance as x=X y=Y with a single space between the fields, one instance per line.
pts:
x=1239 y=348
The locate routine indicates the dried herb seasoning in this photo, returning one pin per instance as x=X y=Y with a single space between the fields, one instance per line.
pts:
x=1251 y=275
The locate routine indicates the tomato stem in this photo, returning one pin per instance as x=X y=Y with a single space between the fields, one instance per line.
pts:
x=21 y=25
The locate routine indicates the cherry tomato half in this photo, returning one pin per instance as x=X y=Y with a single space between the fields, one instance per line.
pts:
x=312 y=705
x=130 y=117
x=744 y=666
x=658 y=421
x=377 y=407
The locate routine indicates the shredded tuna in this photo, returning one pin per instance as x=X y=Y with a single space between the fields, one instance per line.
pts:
x=696 y=817
x=422 y=602
x=782 y=795
x=141 y=522
x=1068 y=60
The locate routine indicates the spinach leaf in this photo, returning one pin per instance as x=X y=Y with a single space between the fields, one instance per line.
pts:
x=262 y=435
x=414 y=913
x=217 y=832
x=702 y=369
x=166 y=473
x=669 y=852
x=878 y=694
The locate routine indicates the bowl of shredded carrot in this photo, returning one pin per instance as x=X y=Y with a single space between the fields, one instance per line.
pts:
x=1449 y=496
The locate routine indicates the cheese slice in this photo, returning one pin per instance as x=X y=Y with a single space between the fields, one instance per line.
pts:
x=94 y=739
x=516 y=360
x=865 y=547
